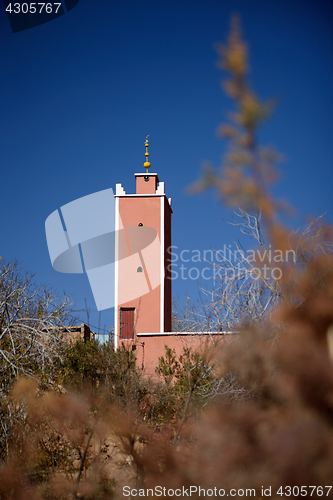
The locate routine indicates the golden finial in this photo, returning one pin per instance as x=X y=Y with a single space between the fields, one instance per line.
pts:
x=146 y=163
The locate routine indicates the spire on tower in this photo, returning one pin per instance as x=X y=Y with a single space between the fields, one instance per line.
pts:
x=146 y=163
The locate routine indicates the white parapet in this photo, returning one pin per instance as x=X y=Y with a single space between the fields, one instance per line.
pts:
x=160 y=188
x=120 y=190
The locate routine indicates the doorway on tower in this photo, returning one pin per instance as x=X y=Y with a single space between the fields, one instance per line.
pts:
x=127 y=323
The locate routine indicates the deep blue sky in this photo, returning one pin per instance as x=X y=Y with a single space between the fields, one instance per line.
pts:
x=80 y=94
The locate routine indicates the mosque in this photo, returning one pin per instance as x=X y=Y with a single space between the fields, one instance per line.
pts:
x=124 y=239
x=143 y=314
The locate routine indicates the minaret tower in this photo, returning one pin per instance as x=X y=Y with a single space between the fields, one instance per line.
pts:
x=143 y=266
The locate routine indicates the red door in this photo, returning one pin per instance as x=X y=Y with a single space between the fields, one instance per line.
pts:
x=127 y=323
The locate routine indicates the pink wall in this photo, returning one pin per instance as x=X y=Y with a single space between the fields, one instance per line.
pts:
x=153 y=348
x=154 y=293
x=134 y=210
x=146 y=187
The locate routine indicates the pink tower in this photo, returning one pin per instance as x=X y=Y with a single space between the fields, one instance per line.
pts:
x=142 y=264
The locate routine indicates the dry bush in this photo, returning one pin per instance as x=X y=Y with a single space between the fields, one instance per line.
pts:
x=279 y=433
x=271 y=427
x=56 y=448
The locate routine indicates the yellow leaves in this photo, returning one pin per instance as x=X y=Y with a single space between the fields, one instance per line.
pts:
x=208 y=179
x=240 y=158
x=228 y=131
x=231 y=88
x=234 y=59
x=234 y=55
x=252 y=111
x=248 y=170
x=237 y=190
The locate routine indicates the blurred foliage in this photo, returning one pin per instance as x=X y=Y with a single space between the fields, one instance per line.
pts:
x=262 y=397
